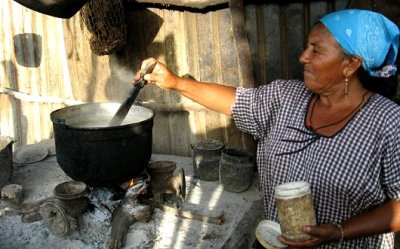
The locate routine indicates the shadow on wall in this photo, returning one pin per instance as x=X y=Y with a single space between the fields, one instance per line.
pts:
x=172 y=127
x=127 y=61
x=28 y=49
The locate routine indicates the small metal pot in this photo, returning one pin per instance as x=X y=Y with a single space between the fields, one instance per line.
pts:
x=6 y=160
x=61 y=213
x=206 y=156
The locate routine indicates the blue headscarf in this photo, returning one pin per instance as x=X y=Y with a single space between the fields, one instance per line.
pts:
x=367 y=34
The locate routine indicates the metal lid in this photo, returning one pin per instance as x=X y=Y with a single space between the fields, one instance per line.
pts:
x=267 y=233
x=208 y=144
x=31 y=153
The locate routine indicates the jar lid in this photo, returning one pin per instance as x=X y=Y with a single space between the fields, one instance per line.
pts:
x=267 y=233
x=292 y=189
x=209 y=144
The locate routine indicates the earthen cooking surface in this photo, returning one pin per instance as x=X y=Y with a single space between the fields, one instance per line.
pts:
x=242 y=212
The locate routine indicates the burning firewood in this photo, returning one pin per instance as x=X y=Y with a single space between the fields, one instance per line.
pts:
x=127 y=212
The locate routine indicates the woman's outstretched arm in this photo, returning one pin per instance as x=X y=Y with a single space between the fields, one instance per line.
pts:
x=219 y=98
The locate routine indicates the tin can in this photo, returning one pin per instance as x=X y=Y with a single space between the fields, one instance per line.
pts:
x=295 y=209
x=6 y=160
x=206 y=157
x=236 y=168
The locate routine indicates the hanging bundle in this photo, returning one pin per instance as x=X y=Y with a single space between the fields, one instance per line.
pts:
x=103 y=22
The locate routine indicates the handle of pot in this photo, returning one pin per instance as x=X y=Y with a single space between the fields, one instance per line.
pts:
x=60 y=122
x=12 y=140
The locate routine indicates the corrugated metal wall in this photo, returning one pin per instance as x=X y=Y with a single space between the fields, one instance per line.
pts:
x=49 y=59
x=33 y=61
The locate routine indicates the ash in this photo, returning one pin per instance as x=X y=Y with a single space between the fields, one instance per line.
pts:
x=93 y=230
x=241 y=214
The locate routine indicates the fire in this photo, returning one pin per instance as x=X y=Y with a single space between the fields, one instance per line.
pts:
x=134 y=181
x=131 y=183
x=128 y=184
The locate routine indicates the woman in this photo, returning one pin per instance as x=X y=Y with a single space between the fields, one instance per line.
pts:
x=330 y=130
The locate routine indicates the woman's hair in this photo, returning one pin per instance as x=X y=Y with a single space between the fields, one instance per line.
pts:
x=384 y=86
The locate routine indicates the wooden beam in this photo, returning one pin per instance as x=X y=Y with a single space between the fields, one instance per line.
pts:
x=242 y=45
x=195 y=4
x=243 y=54
x=25 y=97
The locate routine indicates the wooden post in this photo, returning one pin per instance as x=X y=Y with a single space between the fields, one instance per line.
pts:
x=243 y=54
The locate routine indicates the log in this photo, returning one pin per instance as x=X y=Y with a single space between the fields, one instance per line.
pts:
x=219 y=220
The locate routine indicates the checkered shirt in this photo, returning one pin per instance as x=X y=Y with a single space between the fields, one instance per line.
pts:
x=354 y=170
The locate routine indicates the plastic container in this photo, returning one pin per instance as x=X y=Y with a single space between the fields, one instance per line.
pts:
x=236 y=169
x=206 y=156
x=267 y=233
x=295 y=209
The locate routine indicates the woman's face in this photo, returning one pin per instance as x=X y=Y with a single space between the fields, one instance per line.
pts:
x=323 y=62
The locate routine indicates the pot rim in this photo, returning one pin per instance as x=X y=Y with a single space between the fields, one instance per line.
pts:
x=61 y=121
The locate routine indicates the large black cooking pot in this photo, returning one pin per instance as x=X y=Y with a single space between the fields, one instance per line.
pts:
x=90 y=150
x=57 y=8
